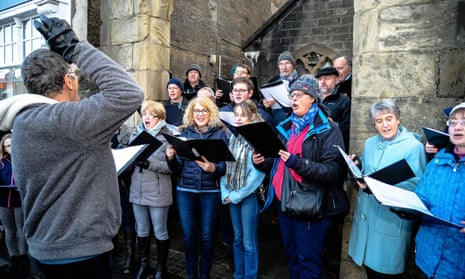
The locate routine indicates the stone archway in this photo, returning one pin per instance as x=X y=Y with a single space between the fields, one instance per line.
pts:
x=313 y=57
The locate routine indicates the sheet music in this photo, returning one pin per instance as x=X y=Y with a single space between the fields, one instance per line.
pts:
x=124 y=156
x=279 y=93
x=356 y=172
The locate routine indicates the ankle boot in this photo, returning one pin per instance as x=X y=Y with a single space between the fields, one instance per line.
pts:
x=144 y=253
x=130 y=247
x=161 y=270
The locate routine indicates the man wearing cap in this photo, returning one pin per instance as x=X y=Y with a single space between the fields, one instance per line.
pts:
x=177 y=104
x=337 y=104
x=343 y=66
x=288 y=74
x=193 y=81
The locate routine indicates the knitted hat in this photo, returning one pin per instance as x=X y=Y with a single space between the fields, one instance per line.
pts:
x=327 y=72
x=194 y=67
x=457 y=107
x=177 y=82
x=307 y=84
x=286 y=56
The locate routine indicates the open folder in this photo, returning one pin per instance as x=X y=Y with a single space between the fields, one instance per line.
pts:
x=125 y=157
x=225 y=86
x=402 y=199
x=146 y=139
x=215 y=150
x=276 y=90
x=436 y=137
x=392 y=174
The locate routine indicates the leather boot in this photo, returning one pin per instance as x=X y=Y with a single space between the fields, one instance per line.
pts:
x=144 y=254
x=130 y=249
x=161 y=270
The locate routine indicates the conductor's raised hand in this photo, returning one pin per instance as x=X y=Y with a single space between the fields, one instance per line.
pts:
x=59 y=35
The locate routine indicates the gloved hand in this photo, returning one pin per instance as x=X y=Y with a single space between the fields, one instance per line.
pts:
x=143 y=164
x=59 y=35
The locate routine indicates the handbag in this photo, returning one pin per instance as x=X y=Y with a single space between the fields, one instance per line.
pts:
x=304 y=201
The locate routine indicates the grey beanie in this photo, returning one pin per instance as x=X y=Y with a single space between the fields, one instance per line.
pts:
x=194 y=67
x=286 y=55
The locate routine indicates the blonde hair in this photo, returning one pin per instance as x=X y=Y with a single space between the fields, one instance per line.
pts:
x=250 y=109
x=214 y=114
x=155 y=108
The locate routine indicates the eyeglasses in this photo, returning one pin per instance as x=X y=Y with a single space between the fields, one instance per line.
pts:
x=149 y=116
x=455 y=122
x=297 y=95
x=200 y=111
x=240 y=91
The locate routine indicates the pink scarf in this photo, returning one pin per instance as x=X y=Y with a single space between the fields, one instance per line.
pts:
x=294 y=146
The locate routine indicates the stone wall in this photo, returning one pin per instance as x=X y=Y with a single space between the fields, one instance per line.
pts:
x=214 y=27
x=324 y=24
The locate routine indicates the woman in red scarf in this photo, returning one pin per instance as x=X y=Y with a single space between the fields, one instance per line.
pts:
x=310 y=159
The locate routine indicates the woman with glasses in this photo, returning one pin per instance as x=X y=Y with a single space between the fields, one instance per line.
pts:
x=151 y=192
x=440 y=248
x=379 y=239
x=11 y=214
x=309 y=161
x=198 y=189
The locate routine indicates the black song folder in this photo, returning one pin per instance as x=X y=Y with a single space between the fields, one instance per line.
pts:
x=436 y=137
x=215 y=150
x=147 y=139
x=262 y=138
x=391 y=174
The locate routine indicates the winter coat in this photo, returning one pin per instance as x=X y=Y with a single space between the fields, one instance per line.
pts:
x=379 y=238
x=320 y=161
x=440 y=248
x=152 y=186
x=64 y=167
x=190 y=176
x=9 y=197
x=338 y=106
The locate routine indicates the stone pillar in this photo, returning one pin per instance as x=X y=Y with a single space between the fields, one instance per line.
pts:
x=136 y=34
x=411 y=51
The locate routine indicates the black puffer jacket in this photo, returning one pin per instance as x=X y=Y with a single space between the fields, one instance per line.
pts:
x=320 y=161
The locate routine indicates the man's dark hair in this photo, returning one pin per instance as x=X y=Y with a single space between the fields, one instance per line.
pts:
x=43 y=72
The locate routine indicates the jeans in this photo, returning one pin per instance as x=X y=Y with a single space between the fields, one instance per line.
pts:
x=303 y=244
x=97 y=267
x=158 y=216
x=198 y=212
x=244 y=218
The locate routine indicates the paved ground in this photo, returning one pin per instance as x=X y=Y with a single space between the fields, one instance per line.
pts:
x=272 y=260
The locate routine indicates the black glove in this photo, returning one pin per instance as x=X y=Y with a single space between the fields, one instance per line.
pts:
x=59 y=35
x=143 y=164
x=406 y=214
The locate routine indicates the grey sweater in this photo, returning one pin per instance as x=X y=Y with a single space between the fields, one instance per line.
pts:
x=63 y=163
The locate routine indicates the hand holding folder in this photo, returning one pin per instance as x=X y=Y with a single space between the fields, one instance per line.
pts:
x=215 y=150
x=436 y=137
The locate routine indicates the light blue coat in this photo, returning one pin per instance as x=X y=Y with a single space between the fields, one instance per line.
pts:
x=253 y=179
x=379 y=238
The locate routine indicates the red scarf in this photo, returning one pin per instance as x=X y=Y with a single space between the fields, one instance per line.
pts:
x=294 y=146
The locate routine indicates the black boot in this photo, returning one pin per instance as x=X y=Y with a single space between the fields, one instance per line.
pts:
x=13 y=265
x=130 y=247
x=161 y=270
x=144 y=253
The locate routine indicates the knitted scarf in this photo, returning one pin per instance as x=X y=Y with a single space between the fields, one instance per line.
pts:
x=236 y=171
x=155 y=130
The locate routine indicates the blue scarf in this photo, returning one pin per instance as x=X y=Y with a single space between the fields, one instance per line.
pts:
x=299 y=123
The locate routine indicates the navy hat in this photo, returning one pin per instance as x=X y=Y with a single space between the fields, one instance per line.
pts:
x=327 y=72
x=307 y=84
x=194 y=67
x=286 y=55
x=177 y=82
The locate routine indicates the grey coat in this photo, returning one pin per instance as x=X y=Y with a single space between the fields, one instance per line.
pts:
x=152 y=187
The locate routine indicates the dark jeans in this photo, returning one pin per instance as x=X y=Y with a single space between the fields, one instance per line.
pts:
x=98 y=267
x=198 y=213
x=371 y=274
x=303 y=243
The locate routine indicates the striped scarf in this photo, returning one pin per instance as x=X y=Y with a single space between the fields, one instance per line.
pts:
x=236 y=171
